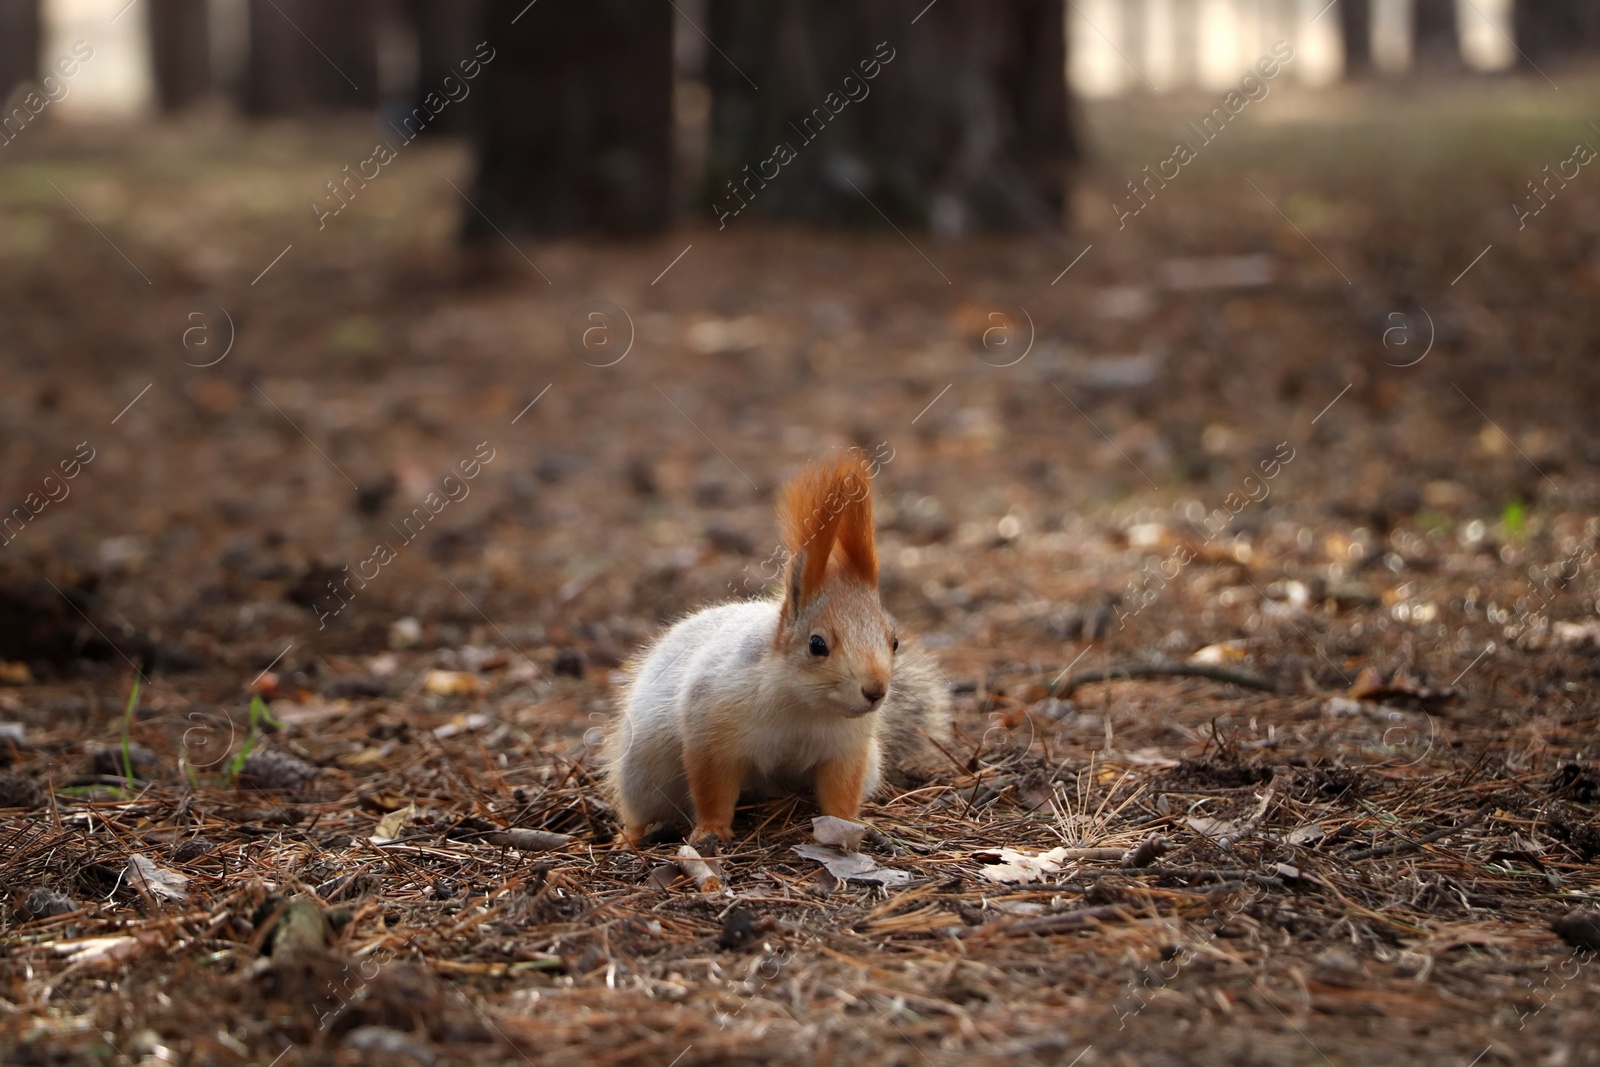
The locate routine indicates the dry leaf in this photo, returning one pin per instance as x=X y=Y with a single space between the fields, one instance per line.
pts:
x=1367 y=683
x=1219 y=272
x=528 y=840
x=1576 y=634
x=1206 y=826
x=15 y=672
x=1217 y=655
x=1024 y=908
x=154 y=881
x=389 y=827
x=97 y=949
x=452 y=683
x=831 y=830
x=1146 y=757
x=1010 y=865
x=852 y=866
x=462 y=723
x=293 y=714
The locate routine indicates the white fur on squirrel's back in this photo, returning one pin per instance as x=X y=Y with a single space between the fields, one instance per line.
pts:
x=712 y=661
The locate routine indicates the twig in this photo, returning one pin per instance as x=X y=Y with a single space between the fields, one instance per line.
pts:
x=1250 y=824
x=1132 y=671
x=1147 y=852
x=1416 y=843
x=1049 y=924
x=1203 y=874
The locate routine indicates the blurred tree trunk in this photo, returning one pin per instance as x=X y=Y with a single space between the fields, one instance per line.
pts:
x=574 y=126
x=447 y=33
x=964 y=126
x=1552 y=30
x=1355 y=22
x=19 y=44
x=310 y=55
x=1435 y=43
x=180 y=52
x=1133 y=28
x=1186 y=41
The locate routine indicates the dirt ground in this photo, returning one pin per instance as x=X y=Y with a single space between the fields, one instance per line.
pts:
x=1320 y=419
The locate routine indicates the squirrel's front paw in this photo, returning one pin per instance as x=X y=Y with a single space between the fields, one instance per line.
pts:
x=723 y=832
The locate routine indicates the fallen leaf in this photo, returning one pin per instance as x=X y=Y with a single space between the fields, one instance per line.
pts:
x=292 y=714
x=97 y=949
x=372 y=756
x=1217 y=655
x=1368 y=682
x=528 y=840
x=14 y=672
x=389 y=827
x=1206 y=826
x=1112 y=372
x=830 y=830
x=301 y=927
x=1024 y=908
x=462 y=723
x=720 y=336
x=1147 y=757
x=852 y=866
x=1009 y=865
x=154 y=881
x=452 y=683
x=1219 y=272
x=1576 y=634
x=665 y=876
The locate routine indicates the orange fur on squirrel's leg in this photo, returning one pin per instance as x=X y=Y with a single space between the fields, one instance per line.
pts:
x=839 y=784
x=714 y=782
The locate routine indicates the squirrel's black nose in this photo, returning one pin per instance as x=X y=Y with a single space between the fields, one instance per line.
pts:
x=873 y=693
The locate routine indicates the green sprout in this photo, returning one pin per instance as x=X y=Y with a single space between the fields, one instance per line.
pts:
x=1514 y=519
x=259 y=714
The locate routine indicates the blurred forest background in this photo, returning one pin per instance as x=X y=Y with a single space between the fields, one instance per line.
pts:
x=377 y=375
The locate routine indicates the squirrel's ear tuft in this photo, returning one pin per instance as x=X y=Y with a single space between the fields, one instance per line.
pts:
x=855 y=542
x=827 y=511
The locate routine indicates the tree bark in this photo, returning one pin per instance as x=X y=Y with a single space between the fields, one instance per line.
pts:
x=574 y=128
x=447 y=33
x=1355 y=23
x=1435 y=43
x=952 y=117
x=180 y=52
x=1548 y=31
x=311 y=55
x=19 y=44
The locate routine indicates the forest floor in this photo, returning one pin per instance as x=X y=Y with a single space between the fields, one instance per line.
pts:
x=1320 y=414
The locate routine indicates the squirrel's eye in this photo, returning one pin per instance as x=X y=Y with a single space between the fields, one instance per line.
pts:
x=894 y=644
x=819 y=647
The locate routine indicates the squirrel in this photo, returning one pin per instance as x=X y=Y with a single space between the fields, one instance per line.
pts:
x=814 y=688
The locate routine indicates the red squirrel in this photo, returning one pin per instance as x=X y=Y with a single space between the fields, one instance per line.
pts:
x=813 y=690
